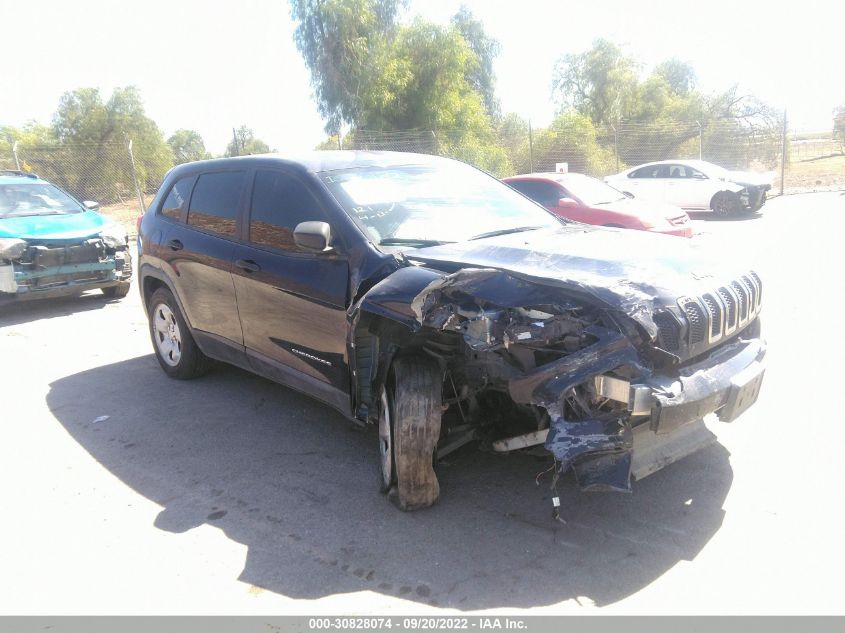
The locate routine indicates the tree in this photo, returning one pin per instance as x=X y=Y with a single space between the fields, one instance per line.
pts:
x=93 y=136
x=678 y=75
x=187 y=146
x=486 y=49
x=600 y=83
x=245 y=143
x=343 y=44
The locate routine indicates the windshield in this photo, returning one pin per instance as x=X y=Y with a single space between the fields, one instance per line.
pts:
x=591 y=191
x=423 y=205
x=22 y=199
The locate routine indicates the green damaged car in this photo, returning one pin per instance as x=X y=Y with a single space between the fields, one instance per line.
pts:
x=51 y=244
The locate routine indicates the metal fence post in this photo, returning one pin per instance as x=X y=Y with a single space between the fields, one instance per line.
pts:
x=135 y=176
x=530 y=148
x=700 y=140
x=615 y=146
x=783 y=153
x=15 y=154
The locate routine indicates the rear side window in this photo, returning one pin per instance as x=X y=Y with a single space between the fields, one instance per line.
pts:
x=176 y=199
x=651 y=171
x=279 y=202
x=545 y=193
x=214 y=203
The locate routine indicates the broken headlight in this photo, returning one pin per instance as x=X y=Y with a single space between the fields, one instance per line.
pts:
x=11 y=248
x=114 y=236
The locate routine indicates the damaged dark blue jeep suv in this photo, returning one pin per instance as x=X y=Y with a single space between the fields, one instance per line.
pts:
x=423 y=297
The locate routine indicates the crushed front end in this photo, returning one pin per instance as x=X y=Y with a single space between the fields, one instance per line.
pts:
x=612 y=393
x=31 y=269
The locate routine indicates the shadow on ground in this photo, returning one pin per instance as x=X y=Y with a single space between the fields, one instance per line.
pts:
x=296 y=484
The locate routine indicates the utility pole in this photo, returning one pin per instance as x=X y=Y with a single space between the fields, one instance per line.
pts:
x=235 y=140
x=15 y=154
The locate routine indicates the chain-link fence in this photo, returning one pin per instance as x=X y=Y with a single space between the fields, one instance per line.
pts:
x=807 y=160
x=111 y=174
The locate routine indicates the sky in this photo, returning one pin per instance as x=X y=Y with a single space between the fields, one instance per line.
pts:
x=211 y=66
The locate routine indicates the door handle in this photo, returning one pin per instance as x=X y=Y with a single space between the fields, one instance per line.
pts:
x=176 y=245
x=247 y=265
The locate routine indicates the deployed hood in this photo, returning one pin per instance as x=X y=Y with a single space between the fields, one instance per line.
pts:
x=635 y=272
x=69 y=226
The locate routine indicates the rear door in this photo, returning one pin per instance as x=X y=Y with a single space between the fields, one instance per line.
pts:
x=197 y=253
x=648 y=182
x=292 y=302
x=687 y=187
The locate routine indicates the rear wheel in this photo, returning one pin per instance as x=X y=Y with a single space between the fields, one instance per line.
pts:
x=726 y=204
x=175 y=348
x=409 y=428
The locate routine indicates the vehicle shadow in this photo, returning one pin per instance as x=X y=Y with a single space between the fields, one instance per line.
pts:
x=297 y=484
x=18 y=312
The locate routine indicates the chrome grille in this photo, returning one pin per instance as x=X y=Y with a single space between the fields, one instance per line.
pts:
x=697 y=319
x=742 y=294
x=759 y=283
x=669 y=330
x=718 y=313
x=729 y=300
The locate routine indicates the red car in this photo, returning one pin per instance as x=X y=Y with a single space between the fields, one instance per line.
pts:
x=589 y=200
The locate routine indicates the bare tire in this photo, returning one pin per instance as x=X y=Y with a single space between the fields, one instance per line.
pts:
x=175 y=348
x=726 y=204
x=117 y=292
x=414 y=404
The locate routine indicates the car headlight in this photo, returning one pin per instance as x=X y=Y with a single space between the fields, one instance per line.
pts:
x=114 y=236
x=11 y=247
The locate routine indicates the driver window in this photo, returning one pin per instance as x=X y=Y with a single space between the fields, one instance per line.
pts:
x=280 y=202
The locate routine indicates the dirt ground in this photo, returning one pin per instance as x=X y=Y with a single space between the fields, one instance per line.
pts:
x=126 y=492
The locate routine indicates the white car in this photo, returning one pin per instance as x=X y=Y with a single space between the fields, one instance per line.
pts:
x=695 y=185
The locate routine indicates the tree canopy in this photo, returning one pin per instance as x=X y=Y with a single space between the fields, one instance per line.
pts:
x=244 y=143
x=187 y=146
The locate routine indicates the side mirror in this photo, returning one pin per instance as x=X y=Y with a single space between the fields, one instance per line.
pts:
x=567 y=203
x=90 y=205
x=313 y=236
x=627 y=194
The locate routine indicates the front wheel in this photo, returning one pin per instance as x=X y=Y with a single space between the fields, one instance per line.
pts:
x=726 y=204
x=175 y=348
x=409 y=428
x=116 y=292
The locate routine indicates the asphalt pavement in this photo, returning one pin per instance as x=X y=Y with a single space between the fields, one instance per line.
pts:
x=125 y=492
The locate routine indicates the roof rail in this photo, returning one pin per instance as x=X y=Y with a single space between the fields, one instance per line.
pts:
x=17 y=172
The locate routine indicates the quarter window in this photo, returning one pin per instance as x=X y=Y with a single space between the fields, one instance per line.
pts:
x=279 y=202
x=214 y=203
x=176 y=199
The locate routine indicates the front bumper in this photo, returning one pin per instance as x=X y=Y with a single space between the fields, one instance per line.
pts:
x=660 y=408
x=21 y=283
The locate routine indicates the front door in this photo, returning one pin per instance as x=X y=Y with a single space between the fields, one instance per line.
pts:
x=291 y=301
